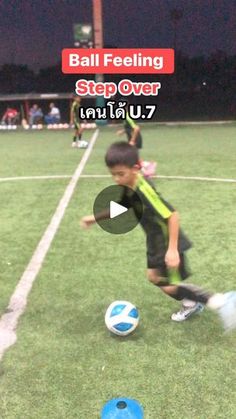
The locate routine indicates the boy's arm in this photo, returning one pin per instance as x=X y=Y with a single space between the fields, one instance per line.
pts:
x=135 y=130
x=172 y=255
x=120 y=132
x=71 y=114
x=89 y=220
x=135 y=133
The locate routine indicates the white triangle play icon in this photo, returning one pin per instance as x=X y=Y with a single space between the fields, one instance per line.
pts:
x=116 y=209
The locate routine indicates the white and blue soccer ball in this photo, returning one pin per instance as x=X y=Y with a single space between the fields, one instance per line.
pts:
x=121 y=318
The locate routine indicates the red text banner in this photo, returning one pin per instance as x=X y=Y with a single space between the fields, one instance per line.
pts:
x=118 y=61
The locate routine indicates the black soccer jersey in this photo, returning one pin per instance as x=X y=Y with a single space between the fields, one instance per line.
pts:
x=75 y=110
x=156 y=212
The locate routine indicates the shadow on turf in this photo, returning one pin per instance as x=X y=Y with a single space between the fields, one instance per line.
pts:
x=155 y=325
x=204 y=329
x=136 y=335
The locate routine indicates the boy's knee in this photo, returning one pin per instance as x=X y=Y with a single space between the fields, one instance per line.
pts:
x=153 y=276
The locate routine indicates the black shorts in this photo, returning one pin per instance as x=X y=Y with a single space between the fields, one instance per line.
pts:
x=156 y=260
x=138 y=141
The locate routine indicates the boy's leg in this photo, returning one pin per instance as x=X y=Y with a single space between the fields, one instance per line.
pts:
x=77 y=140
x=74 y=140
x=170 y=282
x=189 y=304
x=139 y=141
x=81 y=144
x=225 y=304
x=80 y=132
x=76 y=134
x=165 y=279
x=190 y=300
x=179 y=291
x=187 y=308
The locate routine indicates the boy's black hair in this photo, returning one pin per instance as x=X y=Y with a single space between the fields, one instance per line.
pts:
x=121 y=153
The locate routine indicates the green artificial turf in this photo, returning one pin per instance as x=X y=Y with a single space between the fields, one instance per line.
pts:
x=65 y=363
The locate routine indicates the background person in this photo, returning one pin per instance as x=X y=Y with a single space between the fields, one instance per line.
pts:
x=132 y=130
x=74 y=120
x=10 y=116
x=133 y=133
x=54 y=115
x=35 y=115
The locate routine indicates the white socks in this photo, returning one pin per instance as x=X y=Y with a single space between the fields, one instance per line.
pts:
x=188 y=303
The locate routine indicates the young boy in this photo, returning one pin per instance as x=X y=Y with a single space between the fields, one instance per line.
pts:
x=74 y=120
x=166 y=243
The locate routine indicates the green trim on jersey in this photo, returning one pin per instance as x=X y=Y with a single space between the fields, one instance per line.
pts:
x=75 y=105
x=130 y=121
x=74 y=108
x=152 y=197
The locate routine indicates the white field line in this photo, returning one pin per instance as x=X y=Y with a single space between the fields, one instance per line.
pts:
x=18 y=300
x=198 y=178
x=176 y=123
x=9 y=179
x=194 y=178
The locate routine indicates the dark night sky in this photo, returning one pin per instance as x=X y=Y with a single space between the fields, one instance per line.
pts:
x=34 y=32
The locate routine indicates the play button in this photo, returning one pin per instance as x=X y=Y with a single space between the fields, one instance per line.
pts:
x=117 y=209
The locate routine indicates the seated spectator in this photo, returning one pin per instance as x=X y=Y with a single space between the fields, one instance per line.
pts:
x=10 y=117
x=35 y=115
x=54 y=116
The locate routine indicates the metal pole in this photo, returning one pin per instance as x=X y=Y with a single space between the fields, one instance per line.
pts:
x=98 y=43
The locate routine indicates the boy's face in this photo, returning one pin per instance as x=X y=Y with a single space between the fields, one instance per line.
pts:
x=124 y=175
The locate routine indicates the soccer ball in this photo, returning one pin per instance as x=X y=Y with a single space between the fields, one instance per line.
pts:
x=121 y=318
x=83 y=144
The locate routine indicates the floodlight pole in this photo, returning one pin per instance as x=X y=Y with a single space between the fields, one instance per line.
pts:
x=97 y=23
x=98 y=43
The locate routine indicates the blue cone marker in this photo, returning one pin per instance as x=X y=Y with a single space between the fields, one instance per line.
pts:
x=122 y=409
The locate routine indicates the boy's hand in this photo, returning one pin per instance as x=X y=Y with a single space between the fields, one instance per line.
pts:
x=172 y=259
x=87 y=221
